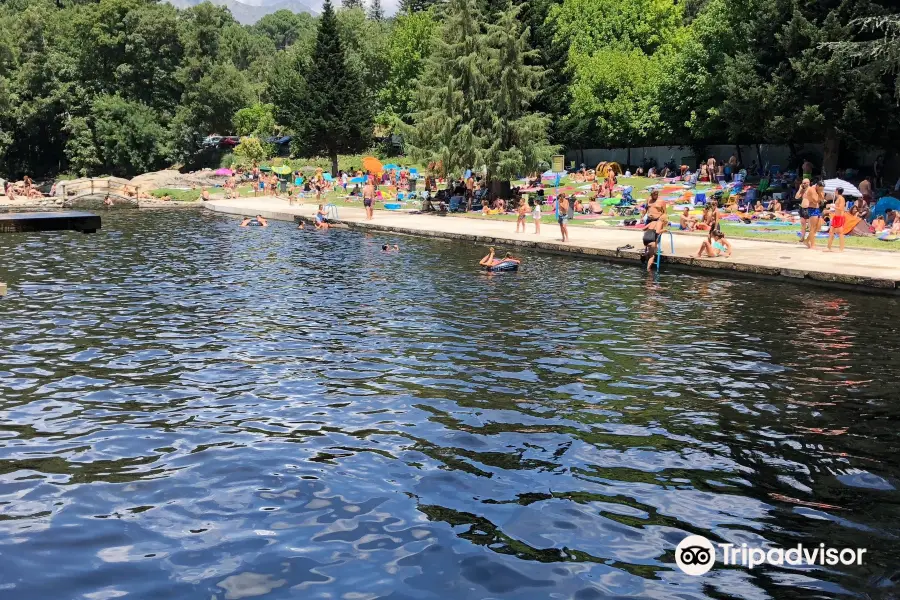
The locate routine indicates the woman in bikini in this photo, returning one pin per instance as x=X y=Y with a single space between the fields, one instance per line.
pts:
x=716 y=247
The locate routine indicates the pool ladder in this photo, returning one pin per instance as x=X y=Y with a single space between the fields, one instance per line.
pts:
x=658 y=257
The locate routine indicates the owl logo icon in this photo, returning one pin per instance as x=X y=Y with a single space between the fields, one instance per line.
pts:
x=695 y=555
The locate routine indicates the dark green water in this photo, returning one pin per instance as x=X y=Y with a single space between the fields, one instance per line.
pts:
x=193 y=410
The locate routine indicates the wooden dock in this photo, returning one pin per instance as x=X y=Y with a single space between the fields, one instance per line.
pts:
x=49 y=221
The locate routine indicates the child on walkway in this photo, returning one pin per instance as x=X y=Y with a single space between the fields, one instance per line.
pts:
x=521 y=211
x=536 y=215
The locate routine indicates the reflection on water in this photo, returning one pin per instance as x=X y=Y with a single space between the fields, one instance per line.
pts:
x=193 y=410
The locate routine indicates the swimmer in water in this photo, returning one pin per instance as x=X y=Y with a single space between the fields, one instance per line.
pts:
x=490 y=261
x=258 y=221
x=301 y=225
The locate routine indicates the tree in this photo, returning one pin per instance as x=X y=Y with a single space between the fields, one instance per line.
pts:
x=411 y=6
x=285 y=28
x=376 y=13
x=451 y=113
x=251 y=151
x=517 y=136
x=334 y=115
x=129 y=137
x=409 y=46
x=351 y=4
x=257 y=120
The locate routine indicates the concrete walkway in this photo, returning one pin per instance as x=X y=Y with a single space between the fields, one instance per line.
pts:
x=863 y=270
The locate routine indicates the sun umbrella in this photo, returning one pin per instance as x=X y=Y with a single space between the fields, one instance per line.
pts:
x=327 y=176
x=372 y=164
x=849 y=189
x=265 y=168
x=358 y=180
x=282 y=170
x=224 y=172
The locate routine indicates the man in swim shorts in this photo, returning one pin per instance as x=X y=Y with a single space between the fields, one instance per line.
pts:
x=814 y=196
x=804 y=208
x=369 y=199
x=562 y=216
x=838 y=219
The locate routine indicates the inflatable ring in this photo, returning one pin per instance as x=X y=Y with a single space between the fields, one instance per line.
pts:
x=503 y=266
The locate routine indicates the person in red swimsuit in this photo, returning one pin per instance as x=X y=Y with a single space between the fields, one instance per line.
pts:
x=838 y=219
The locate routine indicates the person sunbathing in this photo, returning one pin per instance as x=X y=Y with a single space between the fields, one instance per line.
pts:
x=878 y=224
x=594 y=207
x=759 y=207
x=775 y=207
x=715 y=247
x=688 y=223
x=895 y=227
x=579 y=208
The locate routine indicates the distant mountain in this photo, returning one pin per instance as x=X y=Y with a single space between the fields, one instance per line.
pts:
x=248 y=12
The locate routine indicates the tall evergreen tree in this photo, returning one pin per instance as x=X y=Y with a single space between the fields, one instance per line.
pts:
x=332 y=114
x=351 y=4
x=452 y=99
x=411 y=6
x=518 y=136
x=376 y=13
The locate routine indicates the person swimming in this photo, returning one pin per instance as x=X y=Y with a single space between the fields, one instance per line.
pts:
x=258 y=221
x=491 y=261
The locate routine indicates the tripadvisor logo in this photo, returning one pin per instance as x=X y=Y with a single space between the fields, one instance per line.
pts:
x=695 y=555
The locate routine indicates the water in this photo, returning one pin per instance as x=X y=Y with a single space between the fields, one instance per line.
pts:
x=193 y=410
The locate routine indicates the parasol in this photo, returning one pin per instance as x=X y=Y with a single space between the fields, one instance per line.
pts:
x=831 y=185
x=372 y=164
x=282 y=170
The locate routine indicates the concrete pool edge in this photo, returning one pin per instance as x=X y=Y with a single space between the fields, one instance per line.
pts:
x=819 y=278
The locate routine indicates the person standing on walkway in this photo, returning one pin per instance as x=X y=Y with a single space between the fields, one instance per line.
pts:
x=816 y=195
x=522 y=213
x=801 y=195
x=562 y=216
x=838 y=219
x=369 y=199
x=536 y=215
x=470 y=191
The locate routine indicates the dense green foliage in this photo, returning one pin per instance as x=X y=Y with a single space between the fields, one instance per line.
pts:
x=122 y=86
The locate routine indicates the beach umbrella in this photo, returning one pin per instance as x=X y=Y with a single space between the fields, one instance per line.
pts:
x=224 y=172
x=358 y=180
x=849 y=189
x=265 y=168
x=282 y=170
x=372 y=164
x=327 y=176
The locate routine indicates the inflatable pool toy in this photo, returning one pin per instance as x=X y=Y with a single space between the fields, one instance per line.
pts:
x=503 y=266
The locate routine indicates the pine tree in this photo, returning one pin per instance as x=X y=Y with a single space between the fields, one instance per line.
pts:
x=411 y=6
x=518 y=136
x=331 y=113
x=376 y=13
x=452 y=98
x=348 y=4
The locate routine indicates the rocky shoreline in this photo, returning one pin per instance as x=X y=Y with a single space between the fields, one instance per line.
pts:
x=54 y=203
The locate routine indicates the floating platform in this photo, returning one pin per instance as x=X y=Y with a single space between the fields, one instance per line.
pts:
x=84 y=222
